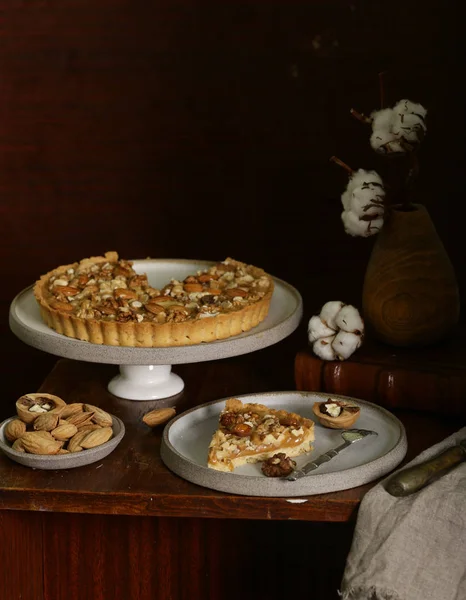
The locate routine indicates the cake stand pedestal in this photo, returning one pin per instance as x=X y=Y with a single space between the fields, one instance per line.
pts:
x=145 y=382
x=146 y=373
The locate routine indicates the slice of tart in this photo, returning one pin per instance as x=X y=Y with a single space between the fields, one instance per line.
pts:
x=251 y=433
x=103 y=300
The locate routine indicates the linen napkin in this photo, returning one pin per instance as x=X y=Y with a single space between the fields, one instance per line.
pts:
x=412 y=547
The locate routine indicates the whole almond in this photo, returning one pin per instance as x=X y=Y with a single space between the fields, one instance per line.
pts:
x=15 y=430
x=18 y=446
x=46 y=422
x=158 y=416
x=45 y=434
x=64 y=431
x=35 y=443
x=71 y=409
x=74 y=445
x=193 y=287
x=233 y=292
x=81 y=418
x=89 y=427
x=96 y=437
x=100 y=417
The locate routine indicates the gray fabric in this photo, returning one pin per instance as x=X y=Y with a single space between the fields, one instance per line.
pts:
x=413 y=547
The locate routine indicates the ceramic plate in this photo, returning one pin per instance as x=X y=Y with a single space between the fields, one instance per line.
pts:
x=63 y=461
x=186 y=439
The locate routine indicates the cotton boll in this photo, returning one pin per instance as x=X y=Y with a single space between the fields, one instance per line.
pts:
x=348 y=319
x=368 y=199
x=329 y=313
x=323 y=348
x=362 y=228
x=411 y=108
x=317 y=329
x=386 y=142
x=345 y=343
x=353 y=224
x=346 y=199
x=382 y=119
x=410 y=127
x=361 y=177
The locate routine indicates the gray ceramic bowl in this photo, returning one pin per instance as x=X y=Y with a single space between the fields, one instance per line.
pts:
x=63 y=461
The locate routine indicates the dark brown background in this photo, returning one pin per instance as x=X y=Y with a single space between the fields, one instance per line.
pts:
x=204 y=129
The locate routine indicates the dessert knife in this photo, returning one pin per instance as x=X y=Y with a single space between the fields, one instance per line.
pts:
x=349 y=435
x=414 y=478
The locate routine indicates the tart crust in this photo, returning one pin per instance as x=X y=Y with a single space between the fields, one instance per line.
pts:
x=251 y=433
x=197 y=327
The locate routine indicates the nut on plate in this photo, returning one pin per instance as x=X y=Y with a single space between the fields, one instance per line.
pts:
x=100 y=417
x=35 y=443
x=278 y=465
x=15 y=429
x=336 y=414
x=158 y=416
x=30 y=406
x=47 y=425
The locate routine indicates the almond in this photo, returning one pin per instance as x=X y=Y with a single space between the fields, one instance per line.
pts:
x=46 y=422
x=155 y=309
x=74 y=445
x=35 y=443
x=158 y=416
x=68 y=290
x=96 y=437
x=18 y=446
x=82 y=418
x=64 y=432
x=192 y=287
x=233 y=292
x=71 y=409
x=100 y=417
x=61 y=306
x=125 y=294
x=15 y=429
x=89 y=427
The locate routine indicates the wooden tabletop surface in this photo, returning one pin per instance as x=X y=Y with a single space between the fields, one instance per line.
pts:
x=133 y=480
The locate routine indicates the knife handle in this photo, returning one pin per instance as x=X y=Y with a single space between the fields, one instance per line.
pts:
x=414 y=478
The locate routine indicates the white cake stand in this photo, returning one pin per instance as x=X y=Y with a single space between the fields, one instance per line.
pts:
x=146 y=373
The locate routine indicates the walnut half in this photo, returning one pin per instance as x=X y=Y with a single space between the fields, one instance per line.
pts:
x=278 y=465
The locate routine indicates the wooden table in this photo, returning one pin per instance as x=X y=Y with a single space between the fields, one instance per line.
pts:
x=127 y=528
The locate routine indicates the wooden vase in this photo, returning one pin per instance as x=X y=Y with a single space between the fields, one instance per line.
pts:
x=410 y=292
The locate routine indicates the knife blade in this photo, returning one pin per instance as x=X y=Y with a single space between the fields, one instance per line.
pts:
x=351 y=436
x=323 y=458
x=412 y=479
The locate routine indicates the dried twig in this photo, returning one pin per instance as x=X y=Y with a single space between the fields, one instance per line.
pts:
x=361 y=117
x=339 y=162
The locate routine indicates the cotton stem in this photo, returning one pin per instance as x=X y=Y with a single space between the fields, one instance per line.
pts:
x=361 y=117
x=339 y=162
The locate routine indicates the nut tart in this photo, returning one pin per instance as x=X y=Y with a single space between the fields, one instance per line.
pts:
x=102 y=300
x=251 y=433
x=336 y=414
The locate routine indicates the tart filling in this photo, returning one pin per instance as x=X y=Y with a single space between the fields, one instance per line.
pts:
x=103 y=300
x=250 y=433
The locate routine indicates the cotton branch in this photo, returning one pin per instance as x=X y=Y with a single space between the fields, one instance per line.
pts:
x=361 y=117
x=339 y=162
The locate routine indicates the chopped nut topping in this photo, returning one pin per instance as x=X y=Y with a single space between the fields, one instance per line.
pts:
x=114 y=291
